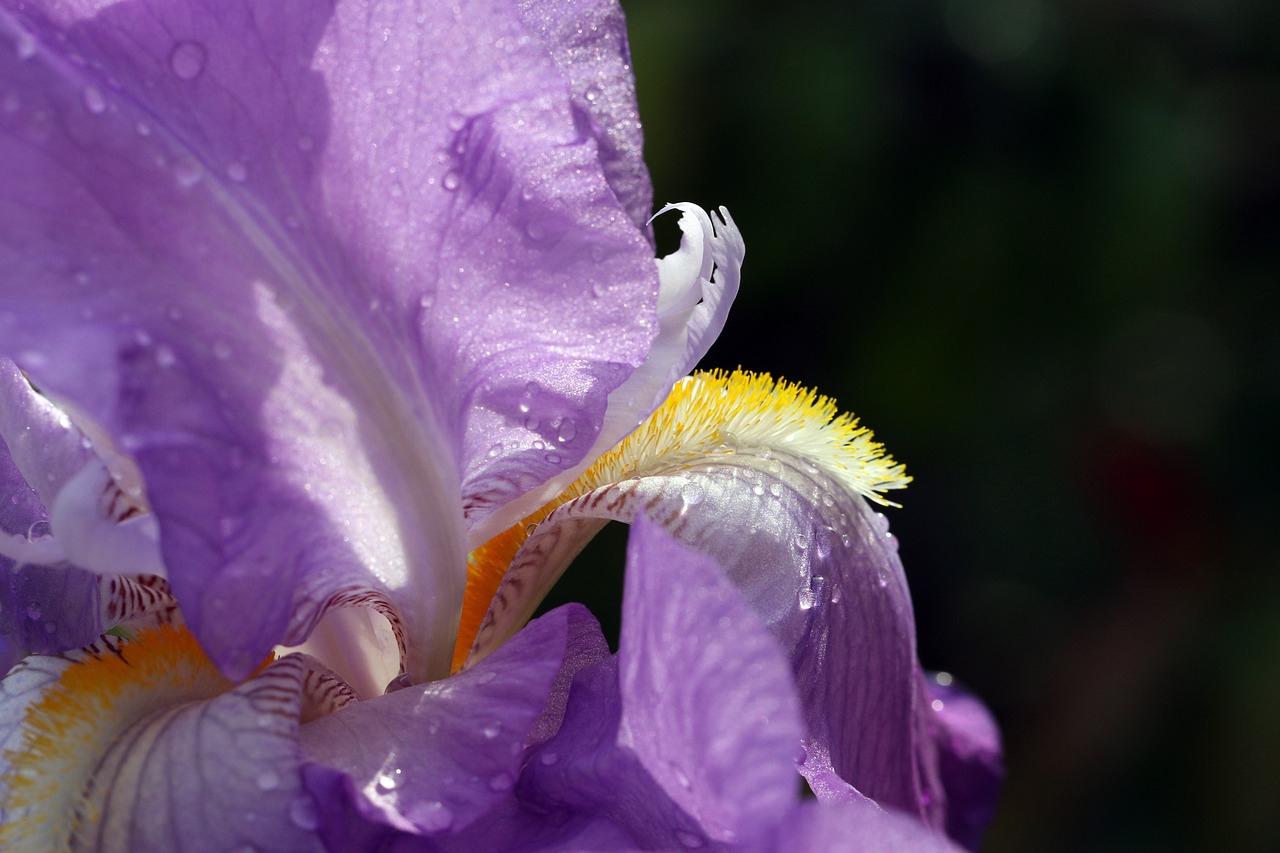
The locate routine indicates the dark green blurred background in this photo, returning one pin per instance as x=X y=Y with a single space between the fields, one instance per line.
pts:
x=1035 y=245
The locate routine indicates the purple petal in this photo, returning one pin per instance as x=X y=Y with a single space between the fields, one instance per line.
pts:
x=692 y=734
x=856 y=826
x=588 y=40
x=819 y=567
x=43 y=609
x=314 y=268
x=969 y=759
x=433 y=758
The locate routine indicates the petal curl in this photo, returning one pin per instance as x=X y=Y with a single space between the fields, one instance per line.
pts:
x=820 y=569
x=970 y=758
x=690 y=735
x=299 y=258
x=43 y=609
x=431 y=759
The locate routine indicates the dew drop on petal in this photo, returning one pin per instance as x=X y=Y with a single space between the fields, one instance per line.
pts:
x=568 y=429
x=692 y=493
x=26 y=47
x=492 y=730
x=94 y=101
x=387 y=782
x=807 y=599
x=433 y=816
x=302 y=813
x=187 y=172
x=450 y=181
x=268 y=780
x=501 y=782
x=187 y=60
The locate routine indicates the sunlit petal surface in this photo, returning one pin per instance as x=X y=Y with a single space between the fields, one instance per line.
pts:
x=337 y=276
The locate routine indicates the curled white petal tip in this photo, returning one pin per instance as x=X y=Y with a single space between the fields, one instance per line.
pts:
x=102 y=529
x=696 y=287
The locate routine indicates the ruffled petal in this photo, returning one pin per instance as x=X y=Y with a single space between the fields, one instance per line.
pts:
x=321 y=271
x=820 y=569
x=43 y=609
x=970 y=759
x=588 y=40
x=431 y=759
x=856 y=826
x=690 y=735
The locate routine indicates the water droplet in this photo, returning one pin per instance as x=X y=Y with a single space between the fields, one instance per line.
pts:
x=495 y=450
x=688 y=839
x=433 y=816
x=187 y=60
x=187 y=172
x=681 y=777
x=775 y=489
x=835 y=594
x=94 y=101
x=34 y=611
x=302 y=813
x=593 y=93
x=268 y=780
x=237 y=171
x=567 y=431
x=808 y=598
x=548 y=758
x=531 y=422
x=502 y=782
x=692 y=493
x=388 y=782
x=492 y=730
x=450 y=181
x=26 y=46
x=552 y=458
x=757 y=490
x=535 y=230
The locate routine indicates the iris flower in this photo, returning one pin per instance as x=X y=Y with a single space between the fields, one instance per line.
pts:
x=331 y=331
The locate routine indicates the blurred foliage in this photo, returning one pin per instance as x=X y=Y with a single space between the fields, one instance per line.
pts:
x=1033 y=243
